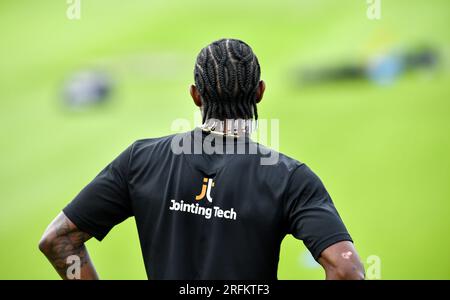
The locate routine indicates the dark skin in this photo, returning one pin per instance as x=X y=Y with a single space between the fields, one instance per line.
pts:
x=341 y=262
x=63 y=239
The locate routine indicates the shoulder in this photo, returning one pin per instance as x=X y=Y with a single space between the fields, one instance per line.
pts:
x=150 y=144
x=277 y=160
x=148 y=153
x=295 y=172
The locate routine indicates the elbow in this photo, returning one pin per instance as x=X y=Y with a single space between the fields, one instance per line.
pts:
x=45 y=244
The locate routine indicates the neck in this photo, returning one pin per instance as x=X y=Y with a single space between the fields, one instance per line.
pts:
x=230 y=127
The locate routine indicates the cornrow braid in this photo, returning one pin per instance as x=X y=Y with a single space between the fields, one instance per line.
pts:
x=227 y=74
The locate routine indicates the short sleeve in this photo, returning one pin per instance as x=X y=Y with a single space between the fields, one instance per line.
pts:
x=310 y=212
x=105 y=201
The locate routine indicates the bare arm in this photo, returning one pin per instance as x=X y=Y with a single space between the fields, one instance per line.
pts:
x=341 y=261
x=63 y=240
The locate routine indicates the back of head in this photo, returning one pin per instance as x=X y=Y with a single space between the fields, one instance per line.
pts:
x=227 y=74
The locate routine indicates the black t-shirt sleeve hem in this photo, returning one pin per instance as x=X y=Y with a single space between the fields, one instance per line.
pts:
x=329 y=241
x=82 y=225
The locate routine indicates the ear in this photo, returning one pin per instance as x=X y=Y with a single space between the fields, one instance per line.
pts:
x=260 y=91
x=195 y=95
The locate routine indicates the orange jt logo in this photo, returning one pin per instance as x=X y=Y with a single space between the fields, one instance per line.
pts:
x=206 y=189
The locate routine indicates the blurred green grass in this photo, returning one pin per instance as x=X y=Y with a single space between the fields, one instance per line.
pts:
x=383 y=153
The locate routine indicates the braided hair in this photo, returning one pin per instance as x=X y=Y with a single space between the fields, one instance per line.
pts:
x=227 y=74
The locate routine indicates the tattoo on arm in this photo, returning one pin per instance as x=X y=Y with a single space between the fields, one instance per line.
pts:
x=63 y=239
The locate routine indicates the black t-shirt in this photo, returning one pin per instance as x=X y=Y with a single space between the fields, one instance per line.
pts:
x=209 y=215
